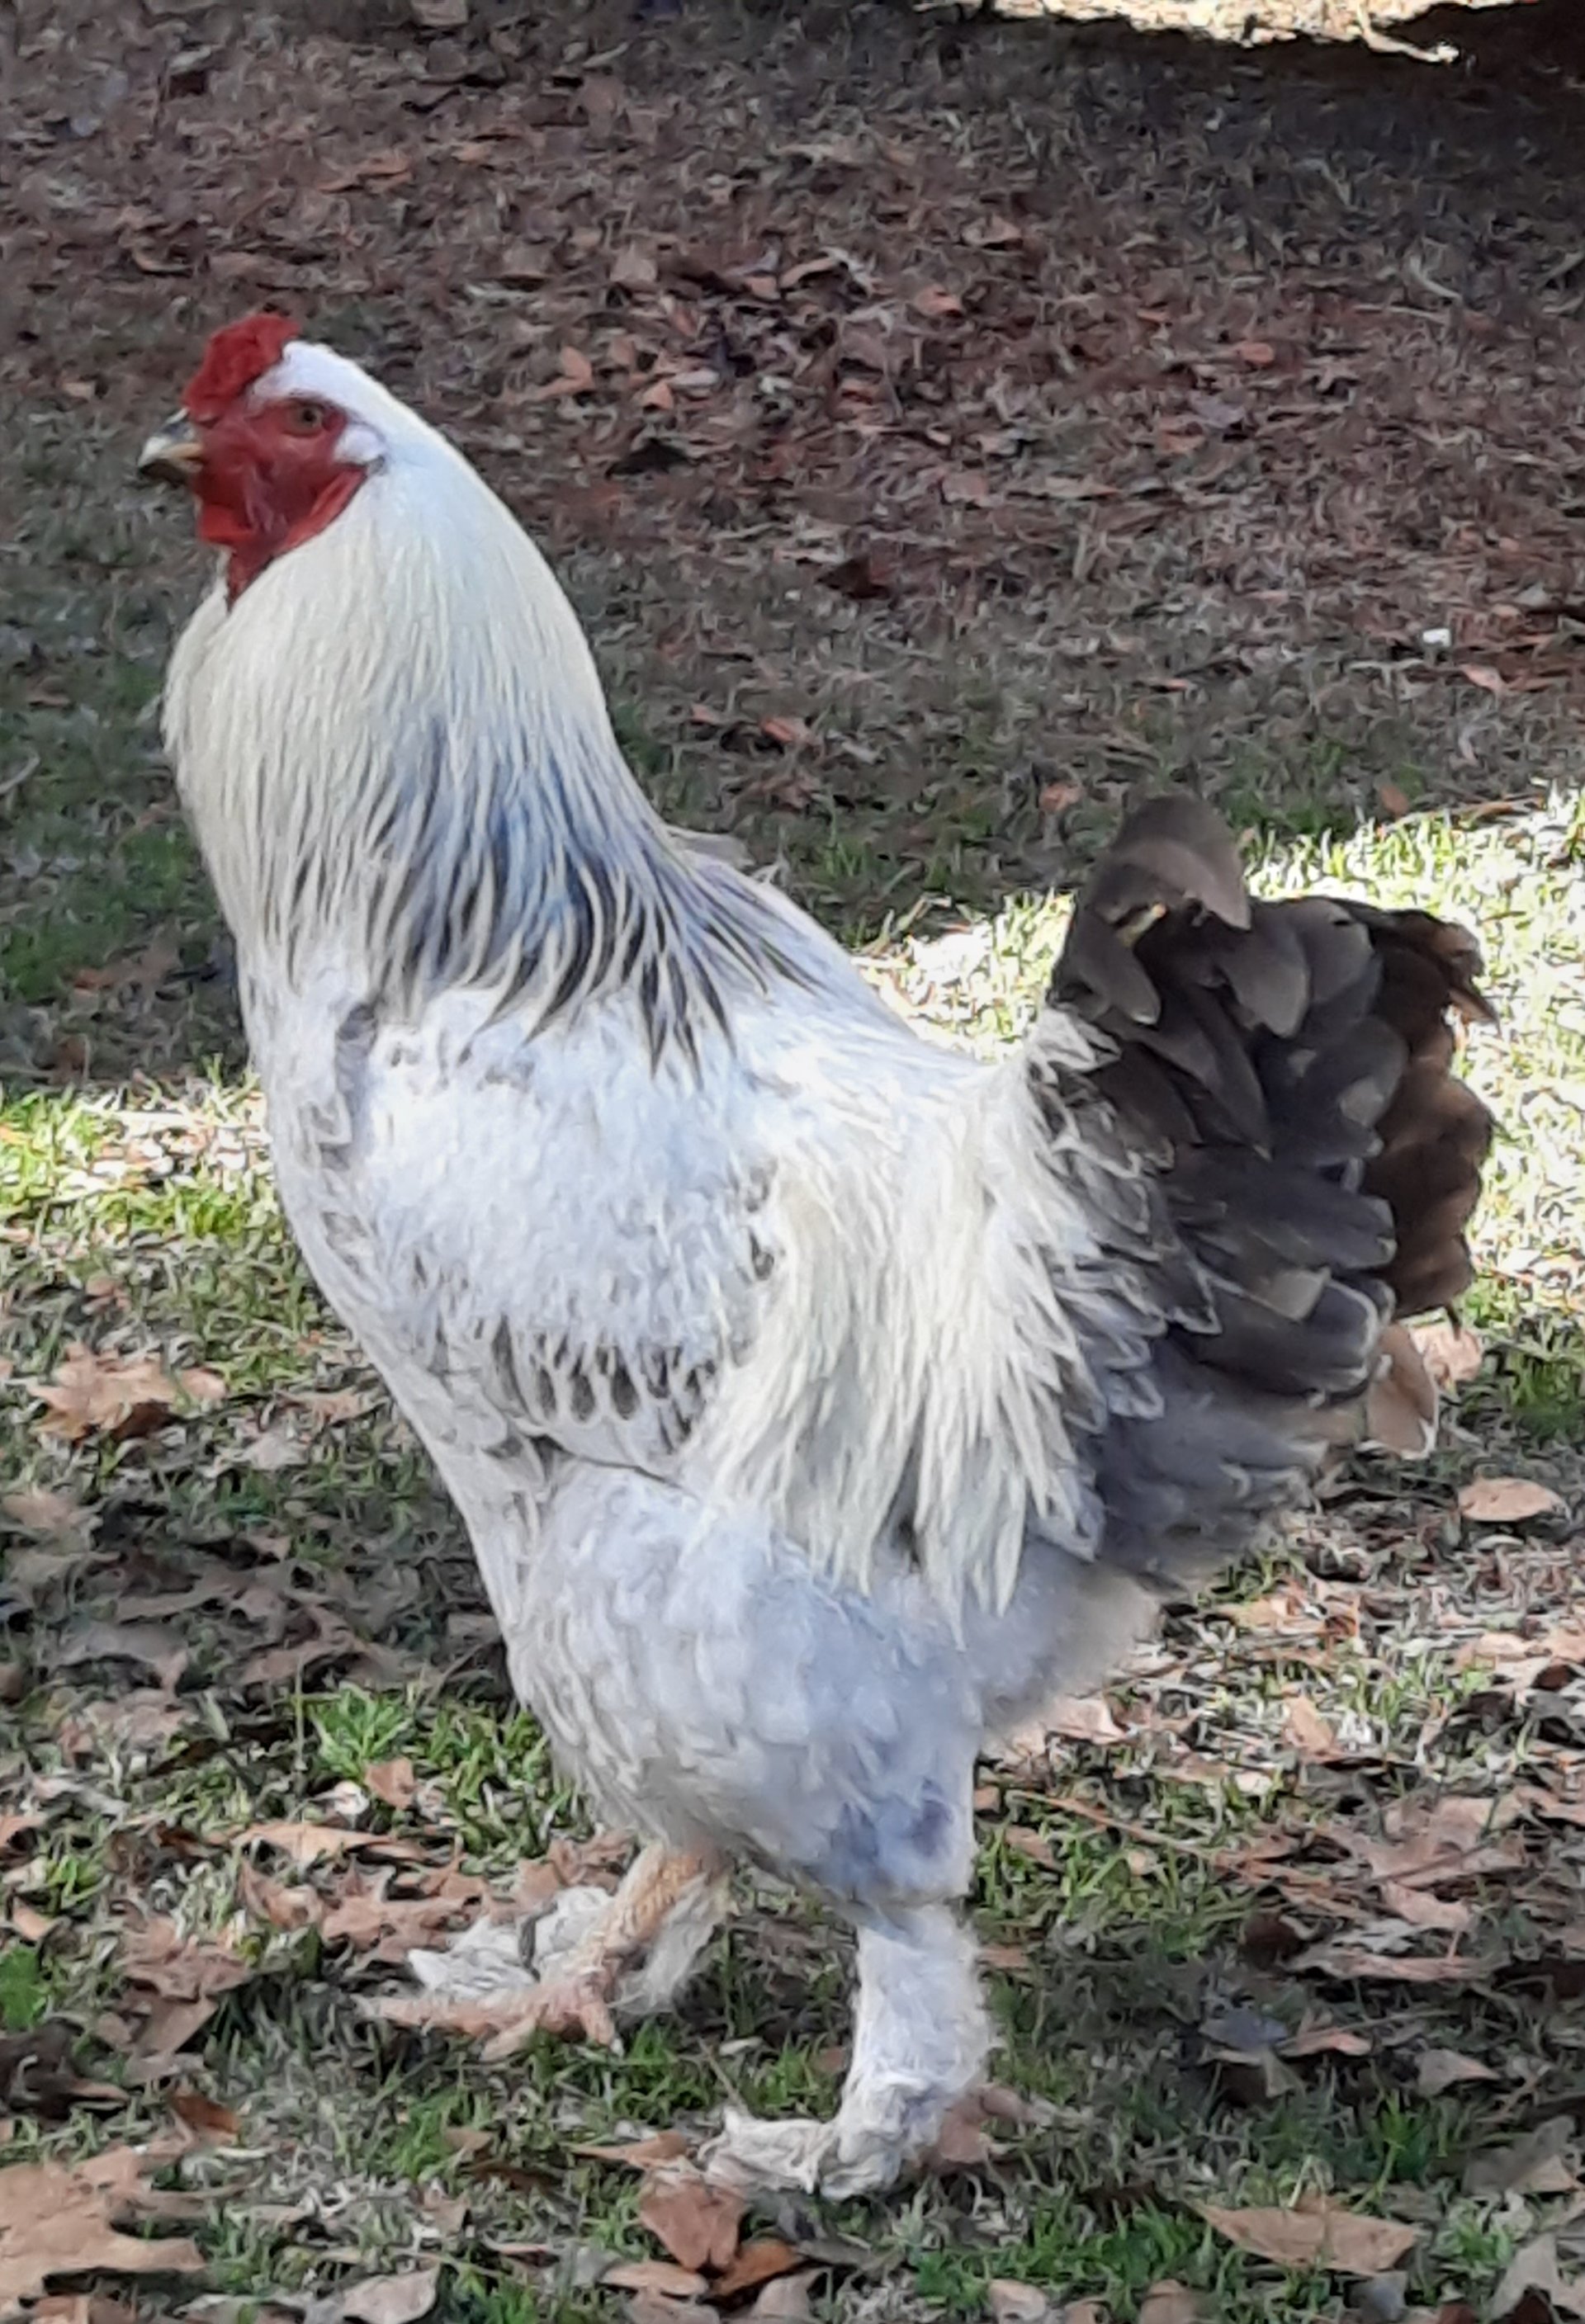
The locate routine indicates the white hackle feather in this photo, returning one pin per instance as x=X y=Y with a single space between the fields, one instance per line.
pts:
x=397 y=753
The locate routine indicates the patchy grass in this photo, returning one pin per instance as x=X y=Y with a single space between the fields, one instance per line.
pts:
x=1200 y=1979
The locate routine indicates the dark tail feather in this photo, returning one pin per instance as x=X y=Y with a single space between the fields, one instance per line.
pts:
x=1315 y=1036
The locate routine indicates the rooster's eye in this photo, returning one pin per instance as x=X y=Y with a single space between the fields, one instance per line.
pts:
x=306 y=419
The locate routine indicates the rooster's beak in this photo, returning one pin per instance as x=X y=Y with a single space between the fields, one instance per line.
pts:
x=172 y=455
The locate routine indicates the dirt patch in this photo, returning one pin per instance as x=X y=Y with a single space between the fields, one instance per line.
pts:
x=943 y=426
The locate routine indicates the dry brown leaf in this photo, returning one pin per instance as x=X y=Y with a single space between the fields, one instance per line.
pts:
x=1024 y=1840
x=37 y=2075
x=56 y=1515
x=643 y=2155
x=1489 y=681
x=157 y=1955
x=119 y=1396
x=633 y=269
x=1532 y=2165
x=61 y=2219
x=1168 y=2302
x=695 y=2220
x=1401 y=1405
x=1393 y=800
x=1314 y=2040
x=364 y=1917
x=1308 y=1731
x=1317 y=2233
x=783 y=2301
x=1362 y=1962
x=1082 y=1719
x=391 y=2299
x=787 y=733
x=662 y=2275
x=157 y=1648
x=759 y=2262
x=140 y=972
x=391 y=1781
x=576 y=377
x=304 y=1843
x=1507 y=1500
x=1452 y=1352
x=935 y=304
x=1256 y=353
x=1440 y=2069
x=1534 y=2269
x=1422 y=1910
x=207 y=2116
x=1017 y=2303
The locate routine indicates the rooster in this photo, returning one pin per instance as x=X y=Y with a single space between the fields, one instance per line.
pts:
x=818 y=1400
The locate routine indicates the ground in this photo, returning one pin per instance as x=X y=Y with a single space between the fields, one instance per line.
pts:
x=946 y=429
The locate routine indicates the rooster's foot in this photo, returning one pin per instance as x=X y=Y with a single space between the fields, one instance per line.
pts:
x=583 y=1962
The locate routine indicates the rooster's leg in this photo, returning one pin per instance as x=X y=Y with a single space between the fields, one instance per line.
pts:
x=918 y=2043
x=595 y=1958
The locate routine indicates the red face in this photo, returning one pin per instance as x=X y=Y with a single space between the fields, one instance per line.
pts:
x=268 y=473
x=270 y=476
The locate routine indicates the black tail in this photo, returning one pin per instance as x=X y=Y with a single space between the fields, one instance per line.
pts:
x=1286 y=1070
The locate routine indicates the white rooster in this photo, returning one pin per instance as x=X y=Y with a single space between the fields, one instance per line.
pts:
x=817 y=1400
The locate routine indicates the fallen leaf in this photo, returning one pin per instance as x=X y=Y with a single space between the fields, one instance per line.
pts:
x=783 y=2301
x=304 y=1843
x=859 y=577
x=767 y=2257
x=1440 y=2069
x=1256 y=353
x=158 y=1956
x=696 y=2220
x=1312 y=2040
x=643 y=2155
x=633 y=269
x=144 y=972
x=1168 y=2302
x=1393 y=801
x=119 y=1396
x=1507 y=1500
x=576 y=377
x=1534 y=2269
x=662 y=2275
x=1317 y=2233
x=1307 y=1730
x=37 y=2075
x=1489 y=681
x=61 y=2219
x=1017 y=2303
x=1056 y=799
x=1532 y=2165
x=391 y=2299
x=936 y=304
x=1024 y=1840
x=156 y=1648
x=391 y=1781
x=1082 y=1719
x=787 y=733
x=207 y=2116
x=962 y=2143
x=1422 y=1910
x=1363 y=1962
x=40 y=1511
x=1452 y=1352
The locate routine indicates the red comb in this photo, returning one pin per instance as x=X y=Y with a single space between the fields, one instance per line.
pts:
x=234 y=358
